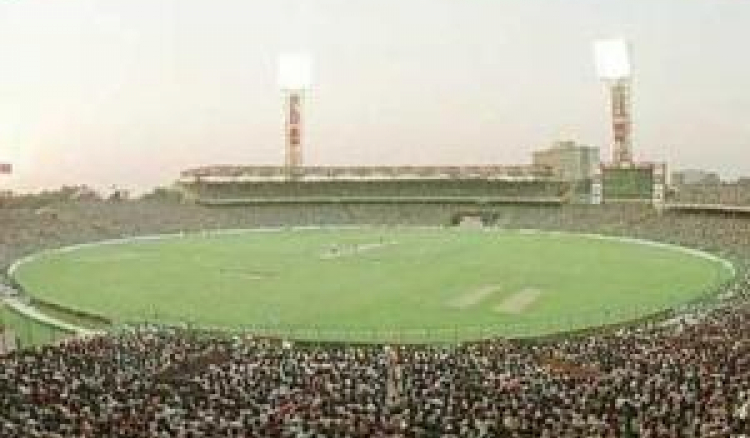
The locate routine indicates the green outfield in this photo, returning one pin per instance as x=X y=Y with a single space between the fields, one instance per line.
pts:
x=375 y=284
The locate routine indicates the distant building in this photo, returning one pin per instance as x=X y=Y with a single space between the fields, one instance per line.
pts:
x=569 y=161
x=694 y=176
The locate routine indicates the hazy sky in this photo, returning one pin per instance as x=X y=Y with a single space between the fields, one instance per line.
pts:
x=130 y=92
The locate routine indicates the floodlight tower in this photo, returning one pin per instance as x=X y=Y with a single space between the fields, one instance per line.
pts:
x=294 y=79
x=612 y=59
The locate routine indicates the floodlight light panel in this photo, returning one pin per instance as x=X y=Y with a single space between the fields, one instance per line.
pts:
x=295 y=71
x=612 y=59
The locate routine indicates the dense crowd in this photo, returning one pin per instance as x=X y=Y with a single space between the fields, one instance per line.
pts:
x=713 y=193
x=686 y=380
x=395 y=188
x=156 y=383
x=685 y=377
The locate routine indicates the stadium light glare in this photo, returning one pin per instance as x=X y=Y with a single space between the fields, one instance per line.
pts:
x=612 y=58
x=295 y=71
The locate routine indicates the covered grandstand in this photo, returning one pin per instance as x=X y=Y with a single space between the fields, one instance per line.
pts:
x=460 y=184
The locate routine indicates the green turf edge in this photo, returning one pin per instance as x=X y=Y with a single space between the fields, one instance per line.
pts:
x=30 y=331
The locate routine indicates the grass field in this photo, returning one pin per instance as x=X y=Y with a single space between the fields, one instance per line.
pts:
x=375 y=283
